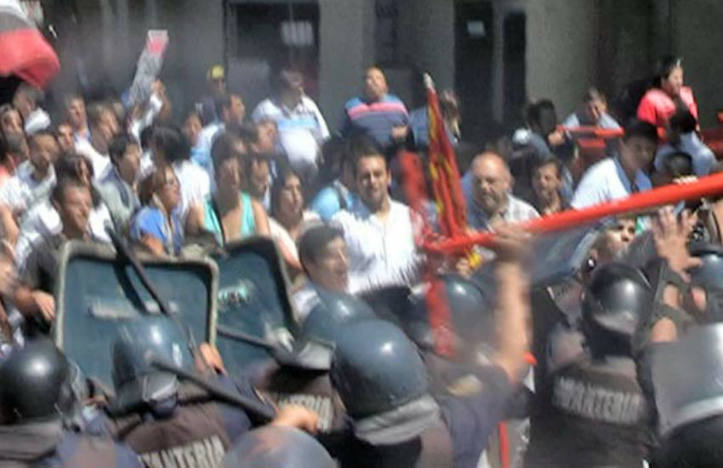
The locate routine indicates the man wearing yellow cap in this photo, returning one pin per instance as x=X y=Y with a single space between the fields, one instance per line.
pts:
x=216 y=77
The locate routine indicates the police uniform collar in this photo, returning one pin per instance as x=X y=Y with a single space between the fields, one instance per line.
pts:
x=399 y=424
x=31 y=440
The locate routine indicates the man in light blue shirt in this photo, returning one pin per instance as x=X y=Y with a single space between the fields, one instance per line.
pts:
x=621 y=175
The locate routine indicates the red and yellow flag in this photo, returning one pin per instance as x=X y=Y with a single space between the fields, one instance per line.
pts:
x=446 y=182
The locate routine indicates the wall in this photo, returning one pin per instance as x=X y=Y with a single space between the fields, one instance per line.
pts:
x=347 y=30
x=697 y=36
x=432 y=39
x=107 y=37
x=561 y=50
x=632 y=35
x=346 y=35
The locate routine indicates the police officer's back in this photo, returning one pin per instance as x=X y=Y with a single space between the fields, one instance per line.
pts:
x=590 y=409
x=380 y=377
x=35 y=395
x=309 y=385
x=155 y=414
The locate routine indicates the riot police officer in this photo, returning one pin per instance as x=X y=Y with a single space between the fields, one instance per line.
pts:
x=394 y=419
x=35 y=398
x=169 y=423
x=590 y=410
x=284 y=383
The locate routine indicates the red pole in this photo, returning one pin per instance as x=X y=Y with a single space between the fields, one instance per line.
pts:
x=706 y=186
x=598 y=132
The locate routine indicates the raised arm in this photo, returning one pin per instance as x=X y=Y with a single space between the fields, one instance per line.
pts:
x=513 y=300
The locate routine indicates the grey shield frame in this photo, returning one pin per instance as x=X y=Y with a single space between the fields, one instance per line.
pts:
x=202 y=268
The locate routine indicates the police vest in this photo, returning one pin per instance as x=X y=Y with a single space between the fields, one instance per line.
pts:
x=591 y=412
x=432 y=449
x=194 y=436
x=311 y=389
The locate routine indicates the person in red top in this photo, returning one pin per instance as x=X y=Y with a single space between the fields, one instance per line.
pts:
x=668 y=96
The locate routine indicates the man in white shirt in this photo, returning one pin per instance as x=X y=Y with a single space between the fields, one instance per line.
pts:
x=103 y=127
x=34 y=179
x=232 y=113
x=77 y=117
x=302 y=128
x=379 y=232
x=42 y=220
x=619 y=176
x=25 y=100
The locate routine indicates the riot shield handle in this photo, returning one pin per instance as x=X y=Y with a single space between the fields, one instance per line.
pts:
x=127 y=255
x=258 y=409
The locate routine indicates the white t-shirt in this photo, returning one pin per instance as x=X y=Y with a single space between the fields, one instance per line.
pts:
x=606 y=181
x=36 y=121
x=302 y=129
x=147 y=165
x=42 y=220
x=195 y=186
x=208 y=134
x=380 y=253
x=101 y=162
x=22 y=191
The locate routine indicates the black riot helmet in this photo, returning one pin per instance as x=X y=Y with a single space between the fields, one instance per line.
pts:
x=382 y=381
x=613 y=303
x=277 y=447
x=34 y=384
x=688 y=396
x=138 y=382
x=696 y=445
x=334 y=310
x=471 y=310
x=710 y=273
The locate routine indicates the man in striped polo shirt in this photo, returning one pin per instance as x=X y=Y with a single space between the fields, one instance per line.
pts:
x=378 y=114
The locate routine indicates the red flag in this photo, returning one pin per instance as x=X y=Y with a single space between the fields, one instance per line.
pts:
x=447 y=190
x=446 y=183
x=23 y=49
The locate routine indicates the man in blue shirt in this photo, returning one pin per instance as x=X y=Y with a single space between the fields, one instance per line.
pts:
x=620 y=176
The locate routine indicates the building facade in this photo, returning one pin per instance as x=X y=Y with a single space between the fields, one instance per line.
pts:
x=498 y=54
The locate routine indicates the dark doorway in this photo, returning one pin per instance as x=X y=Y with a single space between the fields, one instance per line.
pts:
x=261 y=36
x=473 y=68
x=514 y=60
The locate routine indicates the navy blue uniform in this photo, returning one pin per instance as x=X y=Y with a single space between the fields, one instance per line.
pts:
x=467 y=421
x=48 y=445
x=590 y=413
x=81 y=451
x=195 y=433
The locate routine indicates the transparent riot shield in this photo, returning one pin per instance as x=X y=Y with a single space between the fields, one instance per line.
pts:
x=255 y=313
x=97 y=293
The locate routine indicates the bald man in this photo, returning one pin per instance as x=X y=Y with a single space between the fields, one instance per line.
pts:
x=377 y=113
x=491 y=201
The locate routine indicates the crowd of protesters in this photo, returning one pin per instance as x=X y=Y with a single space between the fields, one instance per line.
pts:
x=575 y=388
